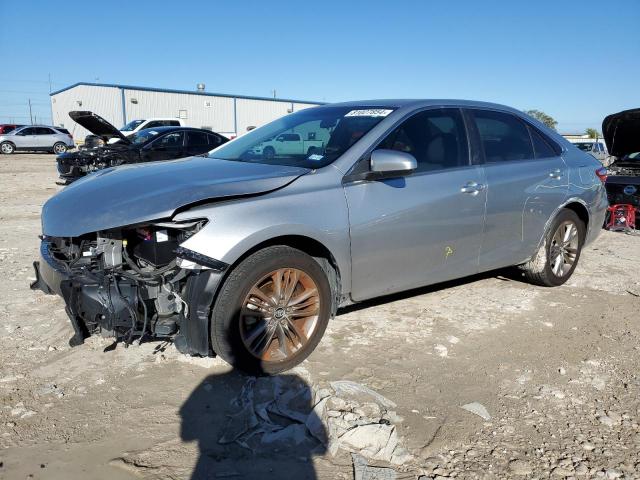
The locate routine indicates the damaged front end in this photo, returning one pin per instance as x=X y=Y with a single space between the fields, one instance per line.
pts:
x=74 y=165
x=133 y=282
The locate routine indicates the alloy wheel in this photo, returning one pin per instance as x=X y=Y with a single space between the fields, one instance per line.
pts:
x=564 y=248
x=59 y=148
x=279 y=315
x=6 y=148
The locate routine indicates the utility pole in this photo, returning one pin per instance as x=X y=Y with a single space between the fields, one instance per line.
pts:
x=274 y=93
x=30 y=115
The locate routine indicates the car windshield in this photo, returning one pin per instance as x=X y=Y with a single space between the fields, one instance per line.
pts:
x=143 y=136
x=585 y=147
x=311 y=138
x=131 y=126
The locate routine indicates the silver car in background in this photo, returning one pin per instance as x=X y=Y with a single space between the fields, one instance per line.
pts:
x=249 y=256
x=36 y=138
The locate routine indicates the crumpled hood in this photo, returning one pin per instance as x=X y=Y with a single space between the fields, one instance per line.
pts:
x=621 y=132
x=132 y=194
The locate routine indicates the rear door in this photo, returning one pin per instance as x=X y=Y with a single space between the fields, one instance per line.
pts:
x=527 y=180
x=45 y=137
x=197 y=143
x=167 y=147
x=425 y=227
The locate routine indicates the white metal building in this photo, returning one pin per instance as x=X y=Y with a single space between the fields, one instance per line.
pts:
x=229 y=115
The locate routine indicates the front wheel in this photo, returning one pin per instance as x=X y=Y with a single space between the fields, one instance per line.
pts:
x=268 y=153
x=271 y=311
x=7 y=148
x=557 y=257
x=59 y=148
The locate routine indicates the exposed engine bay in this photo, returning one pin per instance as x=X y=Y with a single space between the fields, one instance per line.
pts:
x=127 y=283
x=77 y=164
x=624 y=169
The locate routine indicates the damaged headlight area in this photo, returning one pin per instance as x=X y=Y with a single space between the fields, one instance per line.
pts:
x=131 y=282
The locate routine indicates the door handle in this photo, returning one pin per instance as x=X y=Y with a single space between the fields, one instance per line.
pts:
x=472 y=188
x=557 y=173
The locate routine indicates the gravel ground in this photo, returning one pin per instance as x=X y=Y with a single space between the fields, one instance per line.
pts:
x=554 y=373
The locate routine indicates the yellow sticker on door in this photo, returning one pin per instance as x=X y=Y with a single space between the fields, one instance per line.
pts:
x=448 y=251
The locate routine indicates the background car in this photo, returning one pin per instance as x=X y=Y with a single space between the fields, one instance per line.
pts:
x=148 y=145
x=37 y=138
x=6 y=128
x=622 y=133
x=135 y=126
x=596 y=149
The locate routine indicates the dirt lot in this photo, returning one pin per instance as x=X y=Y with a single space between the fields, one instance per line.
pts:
x=554 y=371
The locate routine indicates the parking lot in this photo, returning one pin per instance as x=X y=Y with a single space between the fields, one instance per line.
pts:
x=554 y=373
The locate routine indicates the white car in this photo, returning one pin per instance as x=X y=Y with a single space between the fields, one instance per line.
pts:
x=135 y=126
x=288 y=144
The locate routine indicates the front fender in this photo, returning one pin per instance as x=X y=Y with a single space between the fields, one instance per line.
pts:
x=238 y=226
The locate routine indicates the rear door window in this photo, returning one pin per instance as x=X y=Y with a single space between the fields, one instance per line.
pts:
x=44 y=131
x=214 y=140
x=196 y=139
x=504 y=137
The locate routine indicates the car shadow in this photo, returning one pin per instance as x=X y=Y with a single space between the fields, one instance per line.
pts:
x=253 y=427
x=511 y=274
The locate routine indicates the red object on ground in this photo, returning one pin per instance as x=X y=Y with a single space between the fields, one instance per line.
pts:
x=621 y=217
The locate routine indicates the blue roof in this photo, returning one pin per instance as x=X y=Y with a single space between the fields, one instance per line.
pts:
x=189 y=92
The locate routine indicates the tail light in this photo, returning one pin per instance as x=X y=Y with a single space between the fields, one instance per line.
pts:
x=601 y=173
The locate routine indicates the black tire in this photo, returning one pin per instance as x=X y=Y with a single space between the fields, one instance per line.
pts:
x=7 y=148
x=59 y=148
x=312 y=151
x=269 y=153
x=226 y=337
x=539 y=270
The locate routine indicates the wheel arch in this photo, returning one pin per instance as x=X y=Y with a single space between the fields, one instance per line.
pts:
x=304 y=243
x=574 y=204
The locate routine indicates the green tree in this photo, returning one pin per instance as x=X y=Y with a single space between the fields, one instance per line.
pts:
x=592 y=132
x=548 y=120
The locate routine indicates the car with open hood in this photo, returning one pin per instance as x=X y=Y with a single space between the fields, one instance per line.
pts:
x=622 y=134
x=148 y=145
x=248 y=256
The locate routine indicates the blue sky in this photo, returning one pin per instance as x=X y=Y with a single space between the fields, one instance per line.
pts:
x=576 y=60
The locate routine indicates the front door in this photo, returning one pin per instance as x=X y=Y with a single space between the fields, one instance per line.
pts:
x=26 y=138
x=423 y=228
x=527 y=181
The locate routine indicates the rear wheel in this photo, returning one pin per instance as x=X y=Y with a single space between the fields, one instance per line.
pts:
x=7 y=148
x=271 y=311
x=558 y=255
x=59 y=148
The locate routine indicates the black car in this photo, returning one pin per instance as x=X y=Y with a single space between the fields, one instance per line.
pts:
x=621 y=132
x=149 y=145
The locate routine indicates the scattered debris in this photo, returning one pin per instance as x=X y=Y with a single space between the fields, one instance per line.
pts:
x=280 y=412
x=478 y=409
x=363 y=471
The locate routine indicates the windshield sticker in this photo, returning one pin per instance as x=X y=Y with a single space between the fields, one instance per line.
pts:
x=372 y=112
x=315 y=157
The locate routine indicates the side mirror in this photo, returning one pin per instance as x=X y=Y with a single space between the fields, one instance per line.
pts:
x=391 y=164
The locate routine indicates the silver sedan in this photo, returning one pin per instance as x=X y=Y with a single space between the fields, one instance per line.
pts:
x=248 y=256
